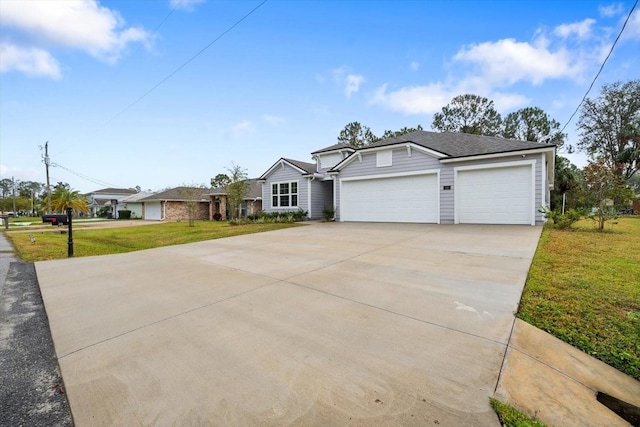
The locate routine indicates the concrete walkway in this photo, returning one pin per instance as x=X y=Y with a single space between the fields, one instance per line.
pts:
x=330 y=324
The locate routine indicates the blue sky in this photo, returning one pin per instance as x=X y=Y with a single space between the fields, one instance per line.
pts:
x=282 y=83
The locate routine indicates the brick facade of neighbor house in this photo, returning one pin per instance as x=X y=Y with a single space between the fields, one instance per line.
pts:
x=177 y=211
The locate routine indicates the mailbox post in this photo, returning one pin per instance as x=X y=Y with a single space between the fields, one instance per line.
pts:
x=69 y=218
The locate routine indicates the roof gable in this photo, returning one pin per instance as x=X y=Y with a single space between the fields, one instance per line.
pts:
x=335 y=147
x=303 y=168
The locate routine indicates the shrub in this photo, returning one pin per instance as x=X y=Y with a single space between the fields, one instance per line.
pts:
x=272 y=217
x=217 y=216
x=562 y=220
x=328 y=213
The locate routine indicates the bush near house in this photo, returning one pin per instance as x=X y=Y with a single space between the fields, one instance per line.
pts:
x=272 y=217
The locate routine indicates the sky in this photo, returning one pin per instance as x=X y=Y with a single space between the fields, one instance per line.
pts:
x=162 y=93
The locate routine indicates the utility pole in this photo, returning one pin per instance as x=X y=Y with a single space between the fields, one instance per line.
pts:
x=47 y=162
x=13 y=187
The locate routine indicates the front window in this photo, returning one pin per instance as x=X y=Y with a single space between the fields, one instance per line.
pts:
x=284 y=194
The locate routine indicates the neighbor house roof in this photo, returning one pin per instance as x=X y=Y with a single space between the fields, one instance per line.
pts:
x=179 y=194
x=454 y=144
x=112 y=191
x=138 y=196
x=254 y=190
x=335 y=147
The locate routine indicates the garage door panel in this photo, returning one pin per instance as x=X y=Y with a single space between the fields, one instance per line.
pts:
x=392 y=199
x=495 y=195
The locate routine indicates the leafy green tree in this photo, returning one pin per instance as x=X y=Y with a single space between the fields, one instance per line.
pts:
x=192 y=195
x=236 y=189
x=6 y=186
x=357 y=135
x=604 y=186
x=610 y=128
x=403 y=131
x=532 y=124
x=468 y=114
x=220 y=180
x=63 y=197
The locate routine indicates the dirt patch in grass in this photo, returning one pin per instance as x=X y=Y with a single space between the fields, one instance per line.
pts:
x=584 y=288
x=50 y=244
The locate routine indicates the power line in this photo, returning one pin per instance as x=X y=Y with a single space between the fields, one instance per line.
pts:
x=174 y=72
x=167 y=17
x=602 y=66
x=85 y=177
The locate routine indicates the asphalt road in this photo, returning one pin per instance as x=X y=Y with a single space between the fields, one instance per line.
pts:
x=32 y=392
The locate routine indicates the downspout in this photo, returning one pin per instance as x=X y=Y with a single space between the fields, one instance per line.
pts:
x=312 y=178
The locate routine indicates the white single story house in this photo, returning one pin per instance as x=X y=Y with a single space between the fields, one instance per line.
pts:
x=421 y=177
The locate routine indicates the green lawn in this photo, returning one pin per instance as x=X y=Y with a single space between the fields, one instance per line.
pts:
x=50 y=244
x=584 y=288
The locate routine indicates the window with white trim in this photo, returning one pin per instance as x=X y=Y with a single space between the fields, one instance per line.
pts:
x=284 y=194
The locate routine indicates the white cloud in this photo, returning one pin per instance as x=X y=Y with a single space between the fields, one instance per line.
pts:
x=352 y=84
x=580 y=29
x=20 y=174
x=508 y=101
x=508 y=61
x=30 y=61
x=414 y=65
x=82 y=25
x=414 y=99
x=243 y=128
x=272 y=120
x=611 y=9
x=185 y=4
x=632 y=31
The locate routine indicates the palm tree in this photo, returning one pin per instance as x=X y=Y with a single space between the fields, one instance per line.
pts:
x=63 y=198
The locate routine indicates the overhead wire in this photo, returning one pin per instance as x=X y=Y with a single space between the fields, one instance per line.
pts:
x=174 y=72
x=601 y=66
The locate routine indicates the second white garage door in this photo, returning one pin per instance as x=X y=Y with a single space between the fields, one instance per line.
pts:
x=391 y=199
x=502 y=195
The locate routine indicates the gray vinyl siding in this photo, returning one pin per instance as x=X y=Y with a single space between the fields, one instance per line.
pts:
x=401 y=162
x=285 y=174
x=321 y=196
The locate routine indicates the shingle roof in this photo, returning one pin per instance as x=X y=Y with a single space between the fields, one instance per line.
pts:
x=254 y=190
x=180 y=194
x=137 y=197
x=113 y=191
x=309 y=168
x=453 y=144
x=338 y=146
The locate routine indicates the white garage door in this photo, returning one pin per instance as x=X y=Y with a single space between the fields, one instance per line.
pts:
x=153 y=211
x=396 y=199
x=495 y=196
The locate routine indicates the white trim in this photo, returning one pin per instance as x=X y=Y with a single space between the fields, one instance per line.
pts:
x=498 y=155
x=308 y=196
x=408 y=145
x=456 y=195
x=391 y=175
x=280 y=163
x=297 y=193
x=394 y=175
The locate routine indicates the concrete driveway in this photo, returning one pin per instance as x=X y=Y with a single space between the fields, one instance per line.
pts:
x=327 y=324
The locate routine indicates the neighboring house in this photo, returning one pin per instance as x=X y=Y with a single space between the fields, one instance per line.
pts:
x=134 y=203
x=422 y=177
x=251 y=204
x=107 y=197
x=171 y=205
